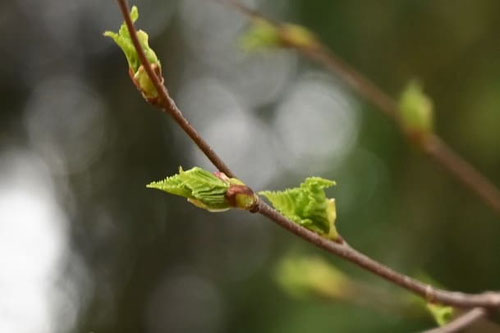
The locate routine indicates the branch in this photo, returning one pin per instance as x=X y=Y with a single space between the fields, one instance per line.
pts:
x=433 y=145
x=461 y=322
x=340 y=248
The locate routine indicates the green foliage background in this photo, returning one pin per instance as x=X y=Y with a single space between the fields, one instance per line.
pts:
x=158 y=264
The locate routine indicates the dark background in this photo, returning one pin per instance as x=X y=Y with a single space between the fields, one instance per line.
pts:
x=85 y=247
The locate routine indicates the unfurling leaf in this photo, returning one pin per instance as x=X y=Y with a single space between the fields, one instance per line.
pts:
x=213 y=192
x=416 y=111
x=308 y=206
x=312 y=275
x=137 y=73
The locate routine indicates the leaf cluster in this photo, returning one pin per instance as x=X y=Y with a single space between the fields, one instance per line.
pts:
x=308 y=205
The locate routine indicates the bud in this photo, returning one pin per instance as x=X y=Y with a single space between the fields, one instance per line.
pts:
x=137 y=72
x=416 y=112
x=241 y=196
x=294 y=35
x=265 y=34
x=238 y=194
x=261 y=34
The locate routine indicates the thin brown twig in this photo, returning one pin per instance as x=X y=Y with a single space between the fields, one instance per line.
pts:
x=461 y=322
x=433 y=145
x=340 y=248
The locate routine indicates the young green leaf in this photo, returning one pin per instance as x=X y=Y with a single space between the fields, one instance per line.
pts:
x=308 y=206
x=302 y=276
x=213 y=192
x=416 y=111
x=137 y=73
x=442 y=314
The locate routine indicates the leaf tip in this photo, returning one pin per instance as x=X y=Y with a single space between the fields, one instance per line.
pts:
x=134 y=13
x=108 y=33
x=153 y=185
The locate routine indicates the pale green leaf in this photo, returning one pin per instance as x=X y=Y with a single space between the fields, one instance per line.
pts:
x=201 y=187
x=213 y=192
x=308 y=205
x=302 y=276
x=442 y=314
x=140 y=77
x=124 y=41
x=261 y=34
x=265 y=34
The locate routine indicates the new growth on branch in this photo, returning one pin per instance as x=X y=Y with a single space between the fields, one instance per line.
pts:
x=306 y=211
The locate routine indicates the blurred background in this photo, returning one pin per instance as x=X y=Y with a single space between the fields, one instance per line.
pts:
x=85 y=247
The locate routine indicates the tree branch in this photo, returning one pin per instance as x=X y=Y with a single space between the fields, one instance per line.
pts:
x=461 y=322
x=433 y=145
x=340 y=248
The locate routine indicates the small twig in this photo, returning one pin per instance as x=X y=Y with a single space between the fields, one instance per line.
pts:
x=433 y=146
x=461 y=322
x=340 y=248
